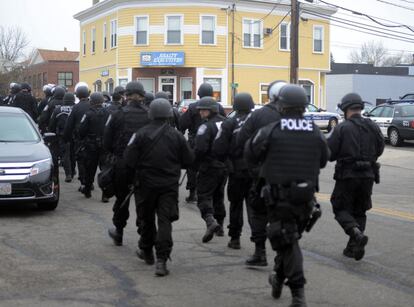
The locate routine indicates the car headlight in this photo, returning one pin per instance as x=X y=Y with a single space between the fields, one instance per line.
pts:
x=41 y=166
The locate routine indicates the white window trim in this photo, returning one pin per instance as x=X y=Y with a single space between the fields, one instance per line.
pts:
x=252 y=20
x=135 y=29
x=288 y=36
x=92 y=40
x=222 y=87
x=313 y=89
x=166 y=29
x=201 y=30
x=260 y=92
x=313 y=38
x=153 y=82
x=181 y=90
x=104 y=35
x=116 y=32
x=83 y=43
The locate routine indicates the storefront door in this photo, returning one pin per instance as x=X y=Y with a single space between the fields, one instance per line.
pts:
x=169 y=85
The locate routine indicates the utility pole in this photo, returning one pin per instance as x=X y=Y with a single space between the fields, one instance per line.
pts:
x=294 y=42
x=233 y=88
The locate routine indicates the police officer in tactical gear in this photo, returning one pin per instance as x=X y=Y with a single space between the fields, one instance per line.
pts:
x=175 y=120
x=157 y=152
x=25 y=101
x=225 y=147
x=355 y=144
x=149 y=97
x=71 y=131
x=291 y=152
x=91 y=130
x=117 y=99
x=190 y=121
x=57 y=100
x=212 y=173
x=118 y=131
x=47 y=90
x=256 y=208
x=57 y=125
x=14 y=89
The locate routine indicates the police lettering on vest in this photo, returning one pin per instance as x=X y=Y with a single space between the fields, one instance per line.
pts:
x=296 y=124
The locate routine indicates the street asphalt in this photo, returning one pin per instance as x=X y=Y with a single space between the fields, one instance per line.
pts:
x=64 y=257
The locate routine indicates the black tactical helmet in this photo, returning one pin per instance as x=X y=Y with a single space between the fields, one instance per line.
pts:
x=162 y=95
x=149 y=97
x=25 y=86
x=243 y=102
x=47 y=89
x=58 y=92
x=82 y=90
x=69 y=98
x=207 y=103
x=292 y=96
x=119 y=90
x=274 y=89
x=351 y=99
x=96 y=98
x=134 y=87
x=107 y=96
x=160 y=108
x=15 y=88
x=205 y=90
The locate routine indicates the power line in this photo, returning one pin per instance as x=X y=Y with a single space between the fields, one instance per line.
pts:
x=397 y=5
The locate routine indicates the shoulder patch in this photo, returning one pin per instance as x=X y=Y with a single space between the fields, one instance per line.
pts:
x=218 y=125
x=83 y=118
x=108 y=120
x=46 y=108
x=132 y=139
x=202 y=129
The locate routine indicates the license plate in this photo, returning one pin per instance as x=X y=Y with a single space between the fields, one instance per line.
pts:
x=5 y=188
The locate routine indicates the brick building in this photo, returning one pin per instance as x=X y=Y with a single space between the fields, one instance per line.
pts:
x=52 y=66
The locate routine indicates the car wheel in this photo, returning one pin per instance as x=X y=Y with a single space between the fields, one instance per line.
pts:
x=333 y=122
x=394 y=137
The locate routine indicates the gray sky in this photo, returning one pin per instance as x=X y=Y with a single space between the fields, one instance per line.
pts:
x=49 y=23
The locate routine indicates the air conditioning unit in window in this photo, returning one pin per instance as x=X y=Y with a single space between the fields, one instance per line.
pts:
x=268 y=31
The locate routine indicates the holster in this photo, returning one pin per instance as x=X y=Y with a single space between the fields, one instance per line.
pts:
x=315 y=216
x=282 y=234
x=376 y=168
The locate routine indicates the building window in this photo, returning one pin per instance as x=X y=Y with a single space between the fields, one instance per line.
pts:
x=174 y=30
x=308 y=87
x=65 y=79
x=208 y=30
x=97 y=86
x=216 y=84
x=123 y=82
x=318 y=39
x=186 y=88
x=45 y=78
x=141 y=30
x=264 y=97
x=104 y=39
x=252 y=33
x=114 y=32
x=93 y=40
x=39 y=81
x=83 y=43
x=109 y=84
x=148 y=83
x=284 y=43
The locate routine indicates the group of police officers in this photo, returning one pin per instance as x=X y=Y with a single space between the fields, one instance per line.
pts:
x=269 y=158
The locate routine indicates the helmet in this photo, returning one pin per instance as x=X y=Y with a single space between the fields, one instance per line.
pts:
x=107 y=96
x=69 y=98
x=207 y=103
x=351 y=99
x=162 y=95
x=119 y=90
x=25 y=86
x=149 y=97
x=96 y=98
x=82 y=90
x=160 y=108
x=274 y=89
x=204 y=90
x=243 y=102
x=58 y=92
x=47 y=89
x=15 y=88
x=292 y=96
x=134 y=87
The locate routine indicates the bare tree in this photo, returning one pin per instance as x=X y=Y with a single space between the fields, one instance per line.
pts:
x=13 y=41
x=370 y=53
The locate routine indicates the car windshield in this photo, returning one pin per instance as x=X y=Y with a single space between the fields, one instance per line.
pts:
x=312 y=108
x=17 y=128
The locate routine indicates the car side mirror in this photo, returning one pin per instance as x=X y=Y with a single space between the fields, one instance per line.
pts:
x=321 y=110
x=366 y=114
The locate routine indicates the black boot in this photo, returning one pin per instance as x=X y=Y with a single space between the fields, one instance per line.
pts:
x=192 y=197
x=212 y=227
x=259 y=256
x=146 y=255
x=68 y=178
x=81 y=188
x=360 y=240
x=220 y=231
x=349 y=249
x=298 y=298
x=234 y=243
x=277 y=285
x=104 y=199
x=116 y=234
x=161 y=268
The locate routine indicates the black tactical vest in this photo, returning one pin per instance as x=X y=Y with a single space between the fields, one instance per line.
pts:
x=294 y=152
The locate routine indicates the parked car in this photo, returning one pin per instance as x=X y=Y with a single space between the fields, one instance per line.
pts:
x=184 y=104
x=396 y=121
x=325 y=120
x=27 y=172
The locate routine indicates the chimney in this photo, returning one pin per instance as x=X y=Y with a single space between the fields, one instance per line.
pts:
x=65 y=49
x=95 y=2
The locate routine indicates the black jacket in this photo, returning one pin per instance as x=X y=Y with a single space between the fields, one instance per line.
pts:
x=59 y=117
x=92 y=124
x=47 y=112
x=74 y=119
x=27 y=103
x=161 y=167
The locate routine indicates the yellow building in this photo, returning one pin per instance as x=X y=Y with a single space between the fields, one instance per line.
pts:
x=175 y=46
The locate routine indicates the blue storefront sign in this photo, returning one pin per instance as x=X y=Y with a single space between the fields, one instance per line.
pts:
x=162 y=58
